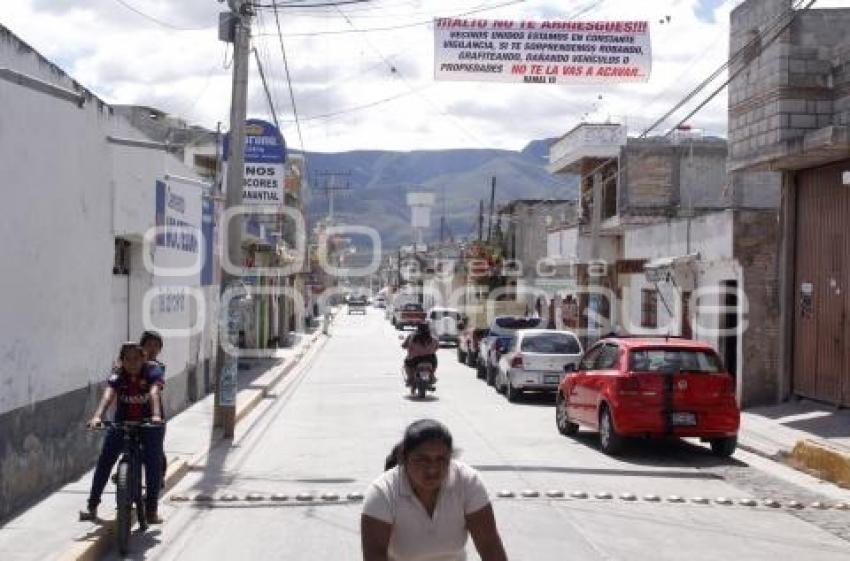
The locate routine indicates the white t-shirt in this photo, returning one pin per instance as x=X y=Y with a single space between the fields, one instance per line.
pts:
x=417 y=536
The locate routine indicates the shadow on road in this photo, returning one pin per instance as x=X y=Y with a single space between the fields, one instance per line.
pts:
x=427 y=398
x=660 y=452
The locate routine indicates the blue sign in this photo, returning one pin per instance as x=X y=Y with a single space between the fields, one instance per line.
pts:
x=263 y=143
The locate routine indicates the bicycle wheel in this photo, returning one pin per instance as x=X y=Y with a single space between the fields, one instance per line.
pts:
x=125 y=504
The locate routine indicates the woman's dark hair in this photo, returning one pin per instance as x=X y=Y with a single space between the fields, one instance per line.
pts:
x=417 y=434
x=127 y=347
x=150 y=336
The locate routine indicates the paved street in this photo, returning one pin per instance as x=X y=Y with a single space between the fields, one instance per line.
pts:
x=334 y=422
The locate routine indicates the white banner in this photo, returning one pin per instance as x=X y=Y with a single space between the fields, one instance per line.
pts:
x=542 y=52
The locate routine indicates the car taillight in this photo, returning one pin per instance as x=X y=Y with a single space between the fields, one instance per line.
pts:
x=629 y=385
x=516 y=362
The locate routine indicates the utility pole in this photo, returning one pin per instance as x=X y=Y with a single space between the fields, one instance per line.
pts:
x=236 y=28
x=595 y=223
x=492 y=209
x=481 y=220
x=330 y=187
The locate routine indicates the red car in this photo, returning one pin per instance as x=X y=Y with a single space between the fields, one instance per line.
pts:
x=643 y=387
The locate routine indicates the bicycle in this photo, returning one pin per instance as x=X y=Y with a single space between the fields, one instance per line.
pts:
x=128 y=479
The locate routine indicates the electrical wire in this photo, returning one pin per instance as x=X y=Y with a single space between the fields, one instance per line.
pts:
x=405 y=25
x=288 y=77
x=158 y=21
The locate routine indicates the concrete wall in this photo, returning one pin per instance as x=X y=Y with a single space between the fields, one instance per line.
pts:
x=70 y=192
x=793 y=86
x=659 y=174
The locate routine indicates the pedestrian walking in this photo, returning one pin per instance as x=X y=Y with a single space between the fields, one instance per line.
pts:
x=426 y=504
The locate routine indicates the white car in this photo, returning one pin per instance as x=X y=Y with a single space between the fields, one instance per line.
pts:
x=502 y=326
x=537 y=360
x=444 y=324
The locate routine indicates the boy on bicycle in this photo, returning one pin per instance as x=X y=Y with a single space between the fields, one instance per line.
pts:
x=151 y=343
x=135 y=387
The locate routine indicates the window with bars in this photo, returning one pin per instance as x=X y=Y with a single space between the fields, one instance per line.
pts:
x=649 y=308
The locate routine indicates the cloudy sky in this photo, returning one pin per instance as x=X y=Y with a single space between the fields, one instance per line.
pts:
x=373 y=88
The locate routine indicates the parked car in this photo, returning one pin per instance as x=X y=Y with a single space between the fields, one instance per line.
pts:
x=410 y=314
x=467 y=347
x=643 y=387
x=357 y=305
x=445 y=324
x=501 y=326
x=537 y=360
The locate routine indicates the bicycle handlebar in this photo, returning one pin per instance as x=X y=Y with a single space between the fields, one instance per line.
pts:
x=146 y=424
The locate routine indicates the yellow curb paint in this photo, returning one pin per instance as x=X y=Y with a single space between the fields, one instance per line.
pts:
x=830 y=463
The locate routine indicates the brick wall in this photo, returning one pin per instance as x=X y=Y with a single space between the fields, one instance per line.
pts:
x=756 y=248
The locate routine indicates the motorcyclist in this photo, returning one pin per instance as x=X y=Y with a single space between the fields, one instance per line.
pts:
x=421 y=347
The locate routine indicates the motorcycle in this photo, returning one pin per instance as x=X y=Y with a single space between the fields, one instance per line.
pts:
x=422 y=381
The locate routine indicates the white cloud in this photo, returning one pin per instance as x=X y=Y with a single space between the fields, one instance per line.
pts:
x=127 y=58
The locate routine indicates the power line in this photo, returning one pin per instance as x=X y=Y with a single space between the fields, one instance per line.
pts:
x=288 y=77
x=275 y=5
x=266 y=88
x=158 y=21
x=403 y=26
x=731 y=60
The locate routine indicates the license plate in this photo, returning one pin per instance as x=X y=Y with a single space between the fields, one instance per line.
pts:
x=553 y=379
x=683 y=419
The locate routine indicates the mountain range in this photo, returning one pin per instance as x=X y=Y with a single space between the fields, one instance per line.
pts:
x=378 y=183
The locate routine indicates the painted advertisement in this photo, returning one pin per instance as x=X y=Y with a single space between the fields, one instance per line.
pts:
x=542 y=52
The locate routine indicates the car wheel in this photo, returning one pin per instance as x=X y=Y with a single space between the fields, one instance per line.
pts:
x=512 y=393
x=399 y=327
x=479 y=371
x=562 y=419
x=461 y=356
x=724 y=447
x=491 y=378
x=609 y=441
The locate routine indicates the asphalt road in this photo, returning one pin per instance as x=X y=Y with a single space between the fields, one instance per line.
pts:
x=330 y=429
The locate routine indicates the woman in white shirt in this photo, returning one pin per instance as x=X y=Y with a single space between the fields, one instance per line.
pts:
x=426 y=504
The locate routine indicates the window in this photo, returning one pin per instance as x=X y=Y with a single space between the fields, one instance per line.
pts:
x=551 y=343
x=687 y=330
x=608 y=358
x=517 y=323
x=670 y=361
x=649 y=308
x=589 y=360
x=121 y=257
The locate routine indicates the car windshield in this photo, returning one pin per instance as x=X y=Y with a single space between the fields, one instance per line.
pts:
x=551 y=343
x=668 y=361
x=440 y=314
x=517 y=323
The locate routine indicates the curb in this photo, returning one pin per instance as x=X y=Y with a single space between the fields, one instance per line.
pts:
x=93 y=545
x=831 y=464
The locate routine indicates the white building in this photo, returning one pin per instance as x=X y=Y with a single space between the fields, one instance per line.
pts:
x=82 y=188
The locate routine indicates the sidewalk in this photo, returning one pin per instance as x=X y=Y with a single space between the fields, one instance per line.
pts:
x=48 y=529
x=811 y=436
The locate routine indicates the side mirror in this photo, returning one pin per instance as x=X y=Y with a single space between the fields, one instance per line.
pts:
x=569 y=368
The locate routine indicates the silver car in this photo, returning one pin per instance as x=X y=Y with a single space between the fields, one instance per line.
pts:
x=537 y=360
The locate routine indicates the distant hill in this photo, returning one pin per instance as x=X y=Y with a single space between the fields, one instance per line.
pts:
x=380 y=181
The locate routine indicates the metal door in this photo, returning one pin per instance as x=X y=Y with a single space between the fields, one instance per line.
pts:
x=821 y=357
